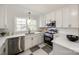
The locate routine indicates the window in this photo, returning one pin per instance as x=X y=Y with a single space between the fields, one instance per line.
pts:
x=32 y=25
x=20 y=24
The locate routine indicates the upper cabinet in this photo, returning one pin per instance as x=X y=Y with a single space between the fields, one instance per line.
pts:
x=66 y=17
x=42 y=21
x=70 y=16
x=45 y=19
x=3 y=17
x=74 y=16
x=59 y=18
x=50 y=17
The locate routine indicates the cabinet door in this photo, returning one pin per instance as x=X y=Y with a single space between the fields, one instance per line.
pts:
x=2 y=16
x=28 y=42
x=53 y=16
x=42 y=21
x=66 y=17
x=74 y=16
x=50 y=17
x=35 y=40
x=41 y=39
x=59 y=18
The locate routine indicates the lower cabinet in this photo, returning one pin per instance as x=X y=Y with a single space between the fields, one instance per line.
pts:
x=32 y=40
x=28 y=42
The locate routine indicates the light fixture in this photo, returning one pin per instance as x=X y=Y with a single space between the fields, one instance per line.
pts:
x=29 y=18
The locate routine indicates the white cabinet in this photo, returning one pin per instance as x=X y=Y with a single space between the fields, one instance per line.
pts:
x=66 y=17
x=74 y=16
x=35 y=40
x=70 y=16
x=28 y=42
x=59 y=18
x=40 y=38
x=50 y=17
x=42 y=21
x=53 y=16
x=2 y=17
x=45 y=19
x=32 y=40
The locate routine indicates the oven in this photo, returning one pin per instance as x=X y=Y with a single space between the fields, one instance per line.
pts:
x=48 y=37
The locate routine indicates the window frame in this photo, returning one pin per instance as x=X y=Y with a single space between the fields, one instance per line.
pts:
x=20 y=24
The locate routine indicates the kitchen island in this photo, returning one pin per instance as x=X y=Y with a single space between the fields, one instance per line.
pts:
x=19 y=42
x=63 y=46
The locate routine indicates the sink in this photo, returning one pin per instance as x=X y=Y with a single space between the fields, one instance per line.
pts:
x=72 y=38
x=32 y=33
x=28 y=33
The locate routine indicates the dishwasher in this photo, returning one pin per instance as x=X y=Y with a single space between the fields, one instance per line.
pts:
x=15 y=45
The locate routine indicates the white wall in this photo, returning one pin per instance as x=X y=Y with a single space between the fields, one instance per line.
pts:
x=10 y=15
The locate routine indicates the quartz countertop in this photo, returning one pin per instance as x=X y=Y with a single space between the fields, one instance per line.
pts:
x=61 y=40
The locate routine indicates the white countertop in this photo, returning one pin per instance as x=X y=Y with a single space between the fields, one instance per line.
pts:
x=61 y=39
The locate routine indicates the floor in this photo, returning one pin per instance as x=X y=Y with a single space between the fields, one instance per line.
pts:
x=42 y=49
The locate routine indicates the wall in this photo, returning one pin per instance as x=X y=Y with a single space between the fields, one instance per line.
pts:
x=10 y=15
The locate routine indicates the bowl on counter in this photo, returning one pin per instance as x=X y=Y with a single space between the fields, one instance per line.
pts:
x=72 y=38
x=3 y=33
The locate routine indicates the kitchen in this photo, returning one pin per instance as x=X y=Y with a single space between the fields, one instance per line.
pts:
x=39 y=29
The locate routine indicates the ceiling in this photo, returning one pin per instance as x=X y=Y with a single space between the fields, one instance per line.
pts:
x=36 y=9
x=40 y=9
